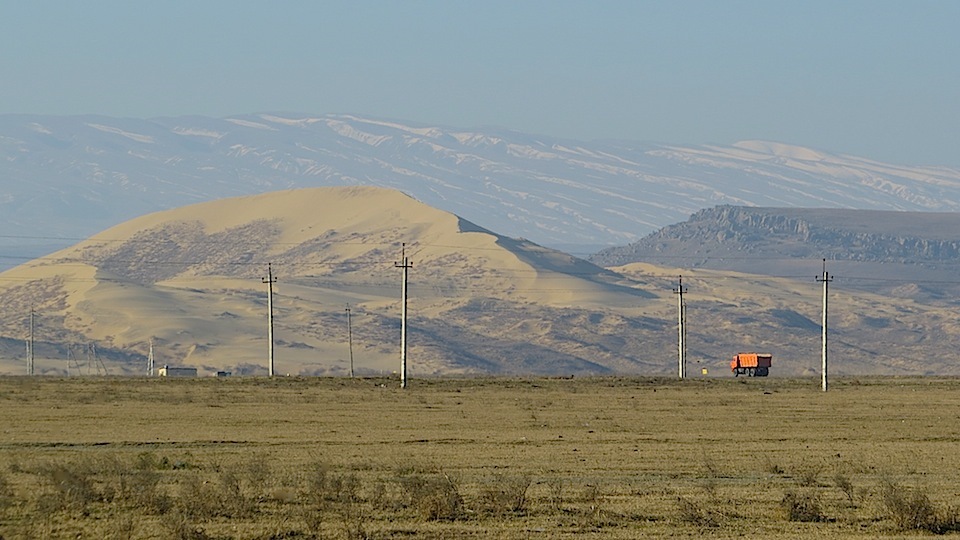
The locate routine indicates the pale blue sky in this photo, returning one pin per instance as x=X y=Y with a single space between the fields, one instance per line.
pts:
x=874 y=78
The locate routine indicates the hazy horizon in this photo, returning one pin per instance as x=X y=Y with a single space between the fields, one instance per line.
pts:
x=871 y=78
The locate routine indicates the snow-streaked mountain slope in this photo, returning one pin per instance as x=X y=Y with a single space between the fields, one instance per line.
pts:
x=72 y=176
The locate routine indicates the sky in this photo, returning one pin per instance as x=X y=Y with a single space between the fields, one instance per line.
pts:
x=873 y=78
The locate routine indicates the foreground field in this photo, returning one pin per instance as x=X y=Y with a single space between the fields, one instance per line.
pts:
x=481 y=458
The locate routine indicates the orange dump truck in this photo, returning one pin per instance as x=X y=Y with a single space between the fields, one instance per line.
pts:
x=751 y=364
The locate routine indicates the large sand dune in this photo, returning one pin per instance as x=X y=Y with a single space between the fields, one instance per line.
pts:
x=190 y=279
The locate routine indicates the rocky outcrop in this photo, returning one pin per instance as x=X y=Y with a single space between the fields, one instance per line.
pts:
x=851 y=235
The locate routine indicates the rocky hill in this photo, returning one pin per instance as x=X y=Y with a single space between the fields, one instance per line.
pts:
x=911 y=254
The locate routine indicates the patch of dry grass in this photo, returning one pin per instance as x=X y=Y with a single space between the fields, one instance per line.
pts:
x=609 y=457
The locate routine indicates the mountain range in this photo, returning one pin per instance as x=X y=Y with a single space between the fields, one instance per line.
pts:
x=63 y=178
x=165 y=228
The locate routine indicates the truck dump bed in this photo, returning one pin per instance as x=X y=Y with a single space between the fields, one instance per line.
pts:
x=751 y=364
x=751 y=360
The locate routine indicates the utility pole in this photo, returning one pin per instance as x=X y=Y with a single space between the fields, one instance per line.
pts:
x=76 y=361
x=150 y=360
x=98 y=362
x=825 y=279
x=270 y=280
x=681 y=329
x=30 y=347
x=350 y=339
x=405 y=265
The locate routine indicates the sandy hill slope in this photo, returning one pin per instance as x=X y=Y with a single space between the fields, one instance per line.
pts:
x=190 y=280
x=870 y=332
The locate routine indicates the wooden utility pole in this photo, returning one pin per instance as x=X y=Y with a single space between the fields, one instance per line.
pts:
x=825 y=279
x=405 y=265
x=681 y=329
x=270 y=280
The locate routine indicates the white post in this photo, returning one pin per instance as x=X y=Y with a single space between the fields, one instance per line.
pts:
x=823 y=336
x=681 y=331
x=825 y=279
x=30 y=347
x=270 y=326
x=405 y=264
x=150 y=360
x=350 y=340
x=270 y=280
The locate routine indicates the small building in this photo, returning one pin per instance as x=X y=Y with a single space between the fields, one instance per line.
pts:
x=177 y=371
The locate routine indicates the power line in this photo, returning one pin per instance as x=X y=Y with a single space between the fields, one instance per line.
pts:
x=703 y=274
x=454 y=289
x=180 y=242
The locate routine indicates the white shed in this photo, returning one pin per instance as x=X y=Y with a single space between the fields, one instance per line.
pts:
x=173 y=371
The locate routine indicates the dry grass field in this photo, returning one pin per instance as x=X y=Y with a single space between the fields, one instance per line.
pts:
x=300 y=458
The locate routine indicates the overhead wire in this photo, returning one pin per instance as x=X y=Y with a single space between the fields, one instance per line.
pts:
x=696 y=273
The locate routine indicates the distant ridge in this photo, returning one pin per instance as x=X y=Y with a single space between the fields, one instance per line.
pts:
x=71 y=176
x=903 y=254
x=834 y=234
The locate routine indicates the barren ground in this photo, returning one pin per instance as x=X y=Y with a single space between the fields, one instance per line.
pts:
x=253 y=458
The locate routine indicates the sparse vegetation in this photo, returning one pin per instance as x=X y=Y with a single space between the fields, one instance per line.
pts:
x=434 y=497
x=697 y=512
x=912 y=509
x=802 y=505
x=844 y=484
x=7 y=496
x=609 y=458
x=772 y=468
x=72 y=487
x=503 y=494
x=809 y=476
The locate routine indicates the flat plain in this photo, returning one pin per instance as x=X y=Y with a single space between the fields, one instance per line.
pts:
x=505 y=458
